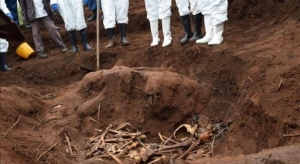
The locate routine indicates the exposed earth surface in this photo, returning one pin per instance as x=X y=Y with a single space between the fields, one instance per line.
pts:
x=251 y=81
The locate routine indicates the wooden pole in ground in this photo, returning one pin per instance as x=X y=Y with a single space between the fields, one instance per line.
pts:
x=97 y=49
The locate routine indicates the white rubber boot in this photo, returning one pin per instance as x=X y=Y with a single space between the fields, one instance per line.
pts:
x=154 y=32
x=208 y=30
x=218 y=31
x=166 y=30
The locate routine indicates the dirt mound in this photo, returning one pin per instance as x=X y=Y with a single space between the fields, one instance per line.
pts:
x=252 y=79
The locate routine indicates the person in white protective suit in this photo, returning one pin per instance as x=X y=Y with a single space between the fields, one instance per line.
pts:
x=73 y=16
x=159 y=9
x=115 y=11
x=215 y=14
x=3 y=43
x=186 y=7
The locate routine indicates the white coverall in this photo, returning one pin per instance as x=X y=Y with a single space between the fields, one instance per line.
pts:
x=158 y=9
x=219 y=11
x=72 y=13
x=3 y=43
x=185 y=7
x=114 y=10
x=215 y=14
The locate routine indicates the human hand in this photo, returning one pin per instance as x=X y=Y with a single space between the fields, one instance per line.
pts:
x=54 y=7
x=9 y=15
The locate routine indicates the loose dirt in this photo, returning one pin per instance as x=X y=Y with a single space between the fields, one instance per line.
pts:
x=251 y=79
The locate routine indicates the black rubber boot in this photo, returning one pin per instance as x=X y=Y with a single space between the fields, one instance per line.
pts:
x=3 y=65
x=84 y=40
x=197 y=24
x=73 y=41
x=111 y=36
x=94 y=16
x=187 y=28
x=123 y=34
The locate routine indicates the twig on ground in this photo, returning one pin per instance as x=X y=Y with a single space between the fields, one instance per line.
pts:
x=290 y=135
x=94 y=120
x=99 y=110
x=115 y=158
x=42 y=121
x=38 y=118
x=37 y=149
x=5 y=134
x=161 y=138
x=69 y=144
x=253 y=81
x=280 y=84
x=169 y=139
x=46 y=151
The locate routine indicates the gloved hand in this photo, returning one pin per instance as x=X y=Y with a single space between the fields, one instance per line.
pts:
x=55 y=7
x=10 y=16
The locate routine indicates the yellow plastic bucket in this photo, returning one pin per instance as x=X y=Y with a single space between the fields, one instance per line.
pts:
x=24 y=50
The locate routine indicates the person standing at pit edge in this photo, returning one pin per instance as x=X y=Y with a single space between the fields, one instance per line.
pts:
x=38 y=12
x=159 y=9
x=215 y=14
x=115 y=10
x=185 y=7
x=3 y=43
x=73 y=16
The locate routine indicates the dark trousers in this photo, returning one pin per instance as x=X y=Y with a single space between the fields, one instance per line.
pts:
x=49 y=25
x=92 y=4
x=12 y=6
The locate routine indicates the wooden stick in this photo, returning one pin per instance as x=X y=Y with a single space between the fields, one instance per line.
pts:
x=280 y=84
x=99 y=108
x=290 y=135
x=94 y=120
x=46 y=151
x=69 y=144
x=97 y=44
x=5 y=134
x=115 y=158
x=42 y=121
x=158 y=159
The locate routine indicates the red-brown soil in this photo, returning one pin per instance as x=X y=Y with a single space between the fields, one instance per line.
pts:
x=252 y=79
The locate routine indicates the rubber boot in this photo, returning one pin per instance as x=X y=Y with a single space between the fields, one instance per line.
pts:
x=123 y=34
x=73 y=41
x=218 y=32
x=111 y=36
x=154 y=32
x=197 y=25
x=166 y=23
x=187 y=29
x=86 y=46
x=208 y=30
x=94 y=16
x=3 y=65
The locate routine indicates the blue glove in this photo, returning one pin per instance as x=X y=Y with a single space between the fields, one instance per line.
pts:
x=10 y=16
x=54 y=7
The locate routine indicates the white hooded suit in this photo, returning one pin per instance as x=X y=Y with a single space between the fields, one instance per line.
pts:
x=72 y=13
x=185 y=7
x=114 y=10
x=159 y=9
x=215 y=14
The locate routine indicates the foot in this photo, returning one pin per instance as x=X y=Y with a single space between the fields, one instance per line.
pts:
x=57 y=28
x=155 y=42
x=6 y=68
x=167 y=42
x=87 y=47
x=42 y=54
x=63 y=49
x=110 y=44
x=93 y=17
x=124 y=42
